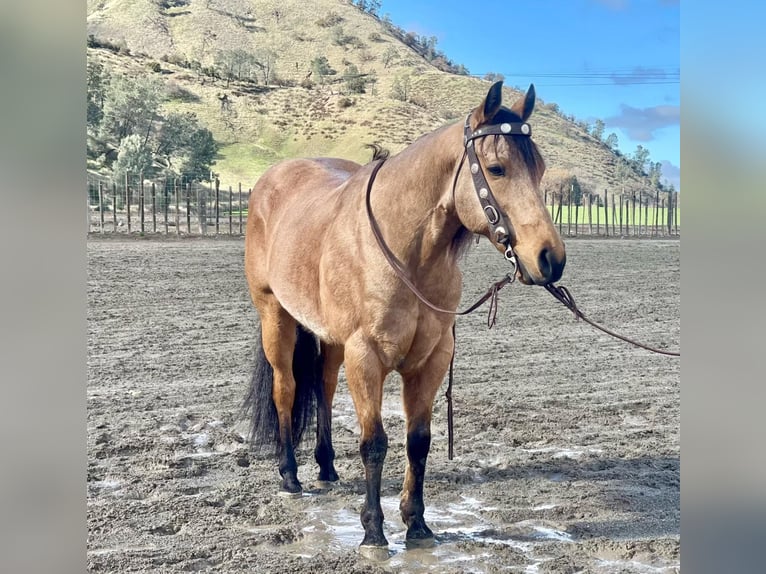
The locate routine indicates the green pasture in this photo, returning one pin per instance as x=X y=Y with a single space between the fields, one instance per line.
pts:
x=582 y=216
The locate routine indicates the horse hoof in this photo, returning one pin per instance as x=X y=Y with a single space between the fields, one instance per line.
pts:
x=374 y=553
x=412 y=543
x=290 y=495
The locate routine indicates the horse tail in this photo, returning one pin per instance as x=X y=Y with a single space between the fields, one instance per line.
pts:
x=307 y=372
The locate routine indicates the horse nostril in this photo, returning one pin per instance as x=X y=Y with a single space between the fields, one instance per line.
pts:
x=550 y=266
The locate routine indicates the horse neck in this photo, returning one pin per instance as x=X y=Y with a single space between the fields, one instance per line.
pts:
x=415 y=206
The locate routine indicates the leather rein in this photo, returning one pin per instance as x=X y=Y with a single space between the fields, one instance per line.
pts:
x=501 y=230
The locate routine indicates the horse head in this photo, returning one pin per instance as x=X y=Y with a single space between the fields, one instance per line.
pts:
x=498 y=195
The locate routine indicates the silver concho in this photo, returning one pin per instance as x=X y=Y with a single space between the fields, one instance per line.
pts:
x=483 y=193
x=525 y=129
x=474 y=168
x=505 y=128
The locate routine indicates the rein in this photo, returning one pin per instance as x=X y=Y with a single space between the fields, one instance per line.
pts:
x=565 y=297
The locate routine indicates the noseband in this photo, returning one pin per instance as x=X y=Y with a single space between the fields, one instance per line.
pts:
x=500 y=227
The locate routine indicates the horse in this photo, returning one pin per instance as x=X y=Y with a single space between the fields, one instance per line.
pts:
x=321 y=258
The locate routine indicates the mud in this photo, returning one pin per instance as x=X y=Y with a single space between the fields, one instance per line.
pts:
x=567 y=442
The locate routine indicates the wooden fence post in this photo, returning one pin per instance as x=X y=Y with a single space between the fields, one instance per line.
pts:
x=141 y=202
x=202 y=209
x=590 y=214
x=188 y=207
x=127 y=199
x=166 y=201
x=114 y=206
x=230 y=214
x=606 y=213
x=217 y=208
x=176 y=193
x=569 y=211
x=620 y=214
x=154 y=208
x=240 y=208
x=101 y=204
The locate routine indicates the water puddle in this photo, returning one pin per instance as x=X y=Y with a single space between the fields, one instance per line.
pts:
x=462 y=535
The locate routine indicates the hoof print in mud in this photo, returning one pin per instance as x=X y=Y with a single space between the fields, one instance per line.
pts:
x=375 y=553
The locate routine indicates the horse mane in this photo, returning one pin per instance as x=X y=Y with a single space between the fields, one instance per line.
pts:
x=378 y=151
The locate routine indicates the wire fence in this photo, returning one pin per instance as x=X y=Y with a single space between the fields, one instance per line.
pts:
x=174 y=206
x=165 y=206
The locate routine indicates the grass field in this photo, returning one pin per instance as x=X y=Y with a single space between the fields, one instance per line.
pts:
x=583 y=217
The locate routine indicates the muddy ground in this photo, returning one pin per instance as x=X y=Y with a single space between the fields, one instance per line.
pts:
x=567 y=442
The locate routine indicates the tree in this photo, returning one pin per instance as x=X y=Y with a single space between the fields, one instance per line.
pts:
x=97 y=86
x=389 y=56
x=640 y=157
x=321 y=68
x=133 y=157
x=401 y=89
x=355 y=81
x=611 y=141
x=598 y=129
x=174 y=135
x=266 y=60
x=130 y=107
x=202 y=150
x=493 y=77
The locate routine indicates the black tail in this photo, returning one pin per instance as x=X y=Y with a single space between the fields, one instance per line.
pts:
x=307 y=371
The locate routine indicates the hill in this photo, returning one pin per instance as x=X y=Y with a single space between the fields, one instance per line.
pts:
x=253 y=73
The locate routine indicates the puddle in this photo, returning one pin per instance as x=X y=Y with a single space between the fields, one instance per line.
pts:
x=329 y=527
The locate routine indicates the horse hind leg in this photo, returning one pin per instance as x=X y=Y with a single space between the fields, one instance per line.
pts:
x=324 y=453
x=292 y=355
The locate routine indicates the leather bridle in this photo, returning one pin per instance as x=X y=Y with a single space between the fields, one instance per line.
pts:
x=500 y=227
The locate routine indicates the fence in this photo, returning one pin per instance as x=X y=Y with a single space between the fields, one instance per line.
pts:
x=166 y=206
x=639 y=214
x=175 y=206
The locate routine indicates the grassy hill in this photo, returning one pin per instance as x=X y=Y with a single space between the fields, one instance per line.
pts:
x=262 y=123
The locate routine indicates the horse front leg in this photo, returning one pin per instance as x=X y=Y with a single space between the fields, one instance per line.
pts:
x=418 y=392
x=324 y=454
x=365 y=374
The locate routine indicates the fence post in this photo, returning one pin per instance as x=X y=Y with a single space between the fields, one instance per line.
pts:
x=202 y=209
x=101 y=203
x=141 y=201
x=127 y=199
x=114 y=206
x=166 y=201
x=178 y=207
x=154 y=208
x=569 y=211
x=188 y=207
x=217 y=205
x=620 y=214
x=606 y=213
x=240 y=208
x=590 y=214
x=230 y=214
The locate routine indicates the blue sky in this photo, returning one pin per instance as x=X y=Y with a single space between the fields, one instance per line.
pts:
x=615 y=60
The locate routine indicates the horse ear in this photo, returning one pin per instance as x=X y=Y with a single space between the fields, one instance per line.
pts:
x=489 y=107
x=523 y=106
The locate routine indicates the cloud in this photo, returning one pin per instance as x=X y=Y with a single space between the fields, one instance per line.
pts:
x=672 y=173
x=641 y=123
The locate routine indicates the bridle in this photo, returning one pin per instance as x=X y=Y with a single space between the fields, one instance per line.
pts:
x=499 y=223
x=500 y=227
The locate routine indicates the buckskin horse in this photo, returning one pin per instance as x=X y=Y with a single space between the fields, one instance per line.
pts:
x=358 y=265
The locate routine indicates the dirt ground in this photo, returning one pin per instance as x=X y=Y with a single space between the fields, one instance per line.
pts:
x=567 y=441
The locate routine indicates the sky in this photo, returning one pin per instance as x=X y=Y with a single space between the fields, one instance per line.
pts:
x=614 y=60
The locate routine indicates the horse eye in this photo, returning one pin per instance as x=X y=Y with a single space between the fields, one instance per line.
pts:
x=496 y=170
